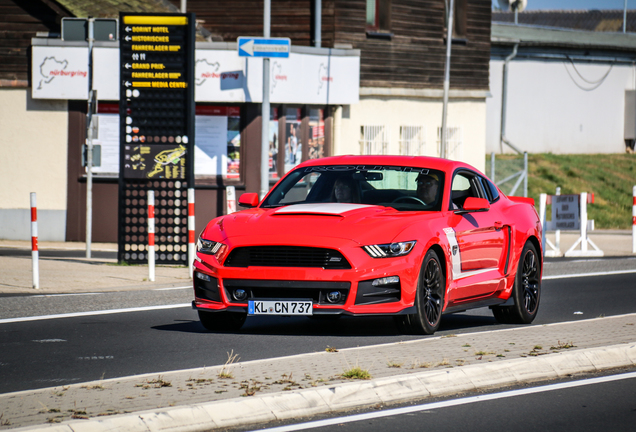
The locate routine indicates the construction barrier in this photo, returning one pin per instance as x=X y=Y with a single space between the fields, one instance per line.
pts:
x=573 y=217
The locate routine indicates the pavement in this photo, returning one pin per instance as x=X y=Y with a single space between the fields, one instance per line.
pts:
x=239 y=394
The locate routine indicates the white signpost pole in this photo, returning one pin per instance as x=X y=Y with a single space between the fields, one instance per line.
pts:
x=549 y=249
x=543 y=198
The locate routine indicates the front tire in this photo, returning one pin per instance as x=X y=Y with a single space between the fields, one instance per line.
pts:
x=222 y=321
x=429 y=299
x=526 y=292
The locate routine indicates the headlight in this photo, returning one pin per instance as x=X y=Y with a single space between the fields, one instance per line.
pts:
x=390 y=250
x=208 y=246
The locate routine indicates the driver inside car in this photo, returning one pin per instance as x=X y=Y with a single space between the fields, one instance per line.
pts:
x=345 y=190
x=427 y=187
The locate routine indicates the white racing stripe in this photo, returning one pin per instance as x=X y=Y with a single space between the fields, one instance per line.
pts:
x=448 y=403
x=321 y=208
x=93 y=313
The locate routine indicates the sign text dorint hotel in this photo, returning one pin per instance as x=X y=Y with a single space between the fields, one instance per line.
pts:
x=156 y=112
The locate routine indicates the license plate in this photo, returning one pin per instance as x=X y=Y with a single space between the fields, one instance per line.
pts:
x=279 y=307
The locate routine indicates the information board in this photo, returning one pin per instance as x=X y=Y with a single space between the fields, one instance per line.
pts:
x=565 y=212
x=156 y=123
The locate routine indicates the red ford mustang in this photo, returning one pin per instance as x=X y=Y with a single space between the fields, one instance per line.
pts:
x=412 y=237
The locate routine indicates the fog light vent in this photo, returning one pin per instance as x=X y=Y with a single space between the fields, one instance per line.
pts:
x=334 y=296
x=239 y=294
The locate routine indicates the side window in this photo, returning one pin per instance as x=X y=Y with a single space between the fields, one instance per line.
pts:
x=465 y=184
x=491 y=190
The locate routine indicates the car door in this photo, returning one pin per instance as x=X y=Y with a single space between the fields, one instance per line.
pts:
x=480 y=240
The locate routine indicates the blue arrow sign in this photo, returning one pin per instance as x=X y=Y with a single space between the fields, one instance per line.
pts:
x=263 y=47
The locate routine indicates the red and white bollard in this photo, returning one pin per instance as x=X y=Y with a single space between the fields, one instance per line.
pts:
x=151 y=236
x=191 y=239
x=634 y=220
x=34 y=242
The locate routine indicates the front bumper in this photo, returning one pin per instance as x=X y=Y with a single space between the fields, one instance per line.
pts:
x=359 y=296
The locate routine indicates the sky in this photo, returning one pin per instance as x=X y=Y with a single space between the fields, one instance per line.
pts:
x=576 y=4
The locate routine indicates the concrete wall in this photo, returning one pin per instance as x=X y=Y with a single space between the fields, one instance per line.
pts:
x=33 y=139
x=556 y=107
x=469 y=114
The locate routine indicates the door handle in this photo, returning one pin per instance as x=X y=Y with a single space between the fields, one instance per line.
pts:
x=498 y=225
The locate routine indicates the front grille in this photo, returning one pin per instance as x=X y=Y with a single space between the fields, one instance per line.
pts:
x=286 y=256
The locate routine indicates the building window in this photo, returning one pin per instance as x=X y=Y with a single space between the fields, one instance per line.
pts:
x=412 y=140
x=274 y=141
x=316 y=133
x=378 y=15
x=293 y=137
x=374 y=140
x=460 y=18
x=217 y=151
x=454 y=142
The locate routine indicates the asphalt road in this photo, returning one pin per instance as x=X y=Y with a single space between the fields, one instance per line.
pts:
x=43 y=353
x=581 y=404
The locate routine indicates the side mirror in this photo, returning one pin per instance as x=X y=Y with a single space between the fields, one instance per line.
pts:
x=248 y=200
x=473 y=204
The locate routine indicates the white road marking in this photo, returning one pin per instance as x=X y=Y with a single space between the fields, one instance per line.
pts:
x=174 y=306
x=578 y=275
x=448 y=403
x=93 y=313
x=172 y=288
x=65 y=295
x=49 y=340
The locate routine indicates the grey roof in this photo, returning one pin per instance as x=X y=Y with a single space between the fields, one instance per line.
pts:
x=528 y=35
x=590 y=20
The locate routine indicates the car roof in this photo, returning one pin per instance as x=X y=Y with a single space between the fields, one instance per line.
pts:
x=413 y=161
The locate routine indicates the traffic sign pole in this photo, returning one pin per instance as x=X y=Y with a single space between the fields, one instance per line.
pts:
x=265 y=109
x=89 y=140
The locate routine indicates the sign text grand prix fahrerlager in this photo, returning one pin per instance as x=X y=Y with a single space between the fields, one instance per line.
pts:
x=156 y=111
x=157 y=95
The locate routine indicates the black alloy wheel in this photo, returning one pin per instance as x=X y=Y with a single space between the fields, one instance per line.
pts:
x=429 y=299
x=527 y=290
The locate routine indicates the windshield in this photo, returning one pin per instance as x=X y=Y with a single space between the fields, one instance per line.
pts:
x=403 y=188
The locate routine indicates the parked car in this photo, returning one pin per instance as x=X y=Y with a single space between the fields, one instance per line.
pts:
x=412 y=237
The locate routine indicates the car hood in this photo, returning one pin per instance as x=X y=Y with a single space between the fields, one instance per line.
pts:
x=356 y=222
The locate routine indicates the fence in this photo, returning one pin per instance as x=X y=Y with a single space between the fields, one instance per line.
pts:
x=509 y=172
